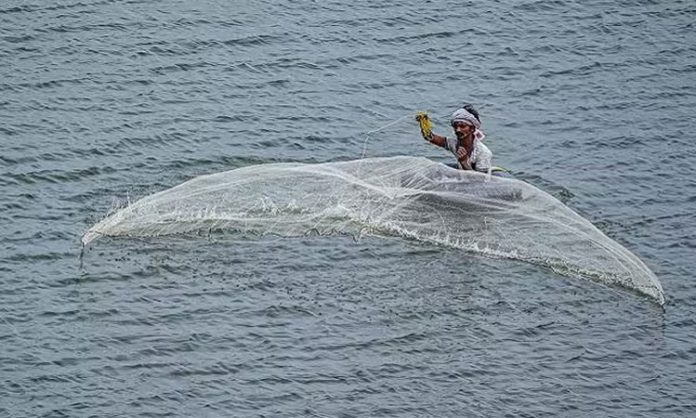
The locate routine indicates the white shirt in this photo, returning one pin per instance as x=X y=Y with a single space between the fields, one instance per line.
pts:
x=480 y=158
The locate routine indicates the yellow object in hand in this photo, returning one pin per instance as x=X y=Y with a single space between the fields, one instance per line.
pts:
x=426 y=127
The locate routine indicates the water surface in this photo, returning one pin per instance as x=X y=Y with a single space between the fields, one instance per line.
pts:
x=109 y=101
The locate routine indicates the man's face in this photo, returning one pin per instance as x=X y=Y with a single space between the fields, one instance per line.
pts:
x=462 y=130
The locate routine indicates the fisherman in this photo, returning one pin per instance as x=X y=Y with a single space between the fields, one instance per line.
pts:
x=467 y=145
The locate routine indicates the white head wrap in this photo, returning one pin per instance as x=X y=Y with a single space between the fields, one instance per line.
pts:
x=463 y=115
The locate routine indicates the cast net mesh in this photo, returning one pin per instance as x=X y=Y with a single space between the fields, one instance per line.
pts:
x=399 y=196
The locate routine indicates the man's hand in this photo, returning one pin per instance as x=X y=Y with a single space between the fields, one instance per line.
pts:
x=462 y=158
x=425 y=125
x=462 y=154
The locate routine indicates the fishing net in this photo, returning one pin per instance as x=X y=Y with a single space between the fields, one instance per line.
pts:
x=399 y=196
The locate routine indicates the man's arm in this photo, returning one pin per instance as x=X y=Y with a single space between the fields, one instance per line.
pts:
x=438 y=140
x=426 y=130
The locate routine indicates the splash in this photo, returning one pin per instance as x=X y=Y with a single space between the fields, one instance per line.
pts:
x=400 y=196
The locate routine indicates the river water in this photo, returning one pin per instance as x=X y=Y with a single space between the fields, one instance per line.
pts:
x=105 y=102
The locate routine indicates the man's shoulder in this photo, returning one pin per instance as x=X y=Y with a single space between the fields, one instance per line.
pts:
x=451 y=143
x=481 y=146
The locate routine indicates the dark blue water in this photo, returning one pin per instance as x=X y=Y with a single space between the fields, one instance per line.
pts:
x=105 y=102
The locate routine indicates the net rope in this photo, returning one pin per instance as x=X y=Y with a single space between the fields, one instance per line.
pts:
x=411 y=197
